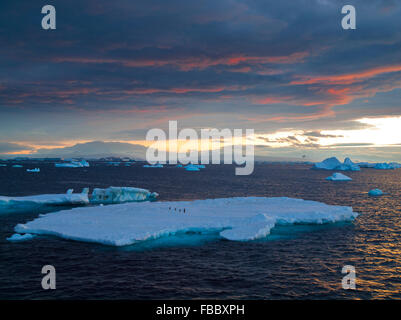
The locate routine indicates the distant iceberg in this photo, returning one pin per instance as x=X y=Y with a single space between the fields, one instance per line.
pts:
x=191 y=167
x=17 y=166
x=33 y=170
x=338 y=177
x=153 y=166
x=334 y=164
x=72 y=164
x=387 y=166
x=376 y=193
x=114 y=195
x=238 y=219
x=3 y=165
x=328 y=164
x=380 y=166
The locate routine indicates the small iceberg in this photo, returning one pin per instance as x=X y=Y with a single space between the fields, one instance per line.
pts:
x=192 y=167
x=153 y=166
x=114 y=195
x=338 y=177
x=239 y=219
x=3 y=165
x=73 y=164
x=376 y=193
x=334 y=164
x=33 y=170
x=16 y=237
x=17 y=166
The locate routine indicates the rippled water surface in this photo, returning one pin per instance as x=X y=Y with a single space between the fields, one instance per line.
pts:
x=298 y=262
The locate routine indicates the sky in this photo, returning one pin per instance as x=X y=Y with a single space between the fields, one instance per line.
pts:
x=112 y=70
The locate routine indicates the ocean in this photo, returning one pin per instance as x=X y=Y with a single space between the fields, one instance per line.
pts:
x=293 y=262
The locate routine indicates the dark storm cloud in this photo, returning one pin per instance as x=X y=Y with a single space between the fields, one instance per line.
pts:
x=280 y=62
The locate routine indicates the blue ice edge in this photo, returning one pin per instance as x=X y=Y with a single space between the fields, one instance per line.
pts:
x=238 y=219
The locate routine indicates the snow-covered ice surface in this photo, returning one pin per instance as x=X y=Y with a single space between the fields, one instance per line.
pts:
x=68 y=198
x=114 y=195
x=244 y=218
x=338 y=177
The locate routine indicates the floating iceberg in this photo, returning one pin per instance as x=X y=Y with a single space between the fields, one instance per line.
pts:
x=380 y=166
x=33 y=170
x=153 y=166
x=17 y=166
x=111 y=195
x=234 y=218
x=328 y=164
x=72 y=164
x=376 y=193
x=114 y=195
x=200 y=166
x=3 y=165
x=387 y=166
x=192 y=167
x=338 y=177
x=334 y=164
x=19 y=237
x=348 y=165
x=68 y=198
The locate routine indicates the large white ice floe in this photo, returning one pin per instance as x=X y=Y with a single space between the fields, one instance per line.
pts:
x=334 y=164
x=33 y=170
x=68 y=198
x=338 y=177
x=114 y=195
x=73 y=164
x=234 y=218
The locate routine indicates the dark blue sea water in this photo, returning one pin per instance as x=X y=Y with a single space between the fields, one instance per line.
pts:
x=296 y=262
